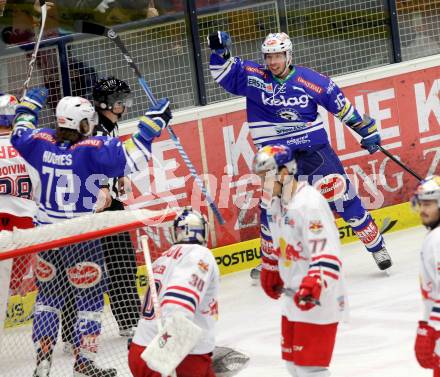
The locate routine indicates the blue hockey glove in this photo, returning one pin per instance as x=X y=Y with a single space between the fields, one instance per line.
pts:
x=32 y=102
x=220 y=43
x=369 y=133
x=155 y=120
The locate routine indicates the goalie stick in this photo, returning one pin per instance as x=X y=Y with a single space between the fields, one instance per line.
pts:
x=91 y=28
x=43 y=8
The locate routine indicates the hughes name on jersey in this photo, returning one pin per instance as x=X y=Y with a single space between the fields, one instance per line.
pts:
x=187 y=279
x=70 y=175
x=283 y=110
x=306 y=242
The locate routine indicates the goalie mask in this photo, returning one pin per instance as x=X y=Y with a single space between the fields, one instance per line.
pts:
x=8 y=103
x=111 y=91
x=190 y=227
x=76 y=113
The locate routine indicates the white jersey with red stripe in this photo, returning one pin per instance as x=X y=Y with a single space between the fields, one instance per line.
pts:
x=306 y=242
x=430 y=277
x=15 y=182
x=187 y=278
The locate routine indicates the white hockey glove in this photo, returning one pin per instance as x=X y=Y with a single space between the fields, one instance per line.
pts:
x=168 y=348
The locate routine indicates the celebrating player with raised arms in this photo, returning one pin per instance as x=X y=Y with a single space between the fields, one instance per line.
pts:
x=427 y=346
x=70 y=164
x=304 y=263
x=282 y=107
x=187 y=280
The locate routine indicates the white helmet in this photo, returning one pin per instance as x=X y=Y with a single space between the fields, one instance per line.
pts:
x=273 y=157
x=72 y=110
x=8 y=103
x=428 y=189
x=190 y=227
x=278 y=42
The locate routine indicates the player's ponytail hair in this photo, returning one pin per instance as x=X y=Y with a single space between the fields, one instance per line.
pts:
x=66 y=134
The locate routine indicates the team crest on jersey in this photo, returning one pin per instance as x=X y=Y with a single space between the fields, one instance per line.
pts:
x=316 y=226
x=289 y=114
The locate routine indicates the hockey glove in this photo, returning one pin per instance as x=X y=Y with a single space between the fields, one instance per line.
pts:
x=307 y=296
x=367 y=129
x=155 y=120
x=270 y=278
x=424 y=346
x=220 y=43
x=32 y=102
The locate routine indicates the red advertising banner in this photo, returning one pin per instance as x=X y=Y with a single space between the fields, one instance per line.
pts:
x=406 y=108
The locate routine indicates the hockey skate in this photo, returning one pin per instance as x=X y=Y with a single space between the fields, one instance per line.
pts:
x=90 y=369
x=382 y=259
x=42 y=369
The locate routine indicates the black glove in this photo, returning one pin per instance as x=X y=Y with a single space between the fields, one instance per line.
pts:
x=220 y=43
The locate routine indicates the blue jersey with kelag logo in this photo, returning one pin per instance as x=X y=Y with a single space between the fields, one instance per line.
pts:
x=284 y=111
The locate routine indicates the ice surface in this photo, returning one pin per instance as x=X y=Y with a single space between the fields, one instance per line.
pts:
x=377 y=340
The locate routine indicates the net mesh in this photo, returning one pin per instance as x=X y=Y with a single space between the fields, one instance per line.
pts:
x=79 y=297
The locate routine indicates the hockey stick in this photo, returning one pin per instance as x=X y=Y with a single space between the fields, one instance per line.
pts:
x=91 y=28
x=398 y=162
x=43 y=7
x=152 y=285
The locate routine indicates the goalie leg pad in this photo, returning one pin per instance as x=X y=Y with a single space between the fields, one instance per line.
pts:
x=168 y=348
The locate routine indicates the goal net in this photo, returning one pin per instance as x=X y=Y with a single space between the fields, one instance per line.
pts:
x=70 y=294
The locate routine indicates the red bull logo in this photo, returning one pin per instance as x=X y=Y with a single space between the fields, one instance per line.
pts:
x=316 y=226
x=272 y=150
x=288 y=252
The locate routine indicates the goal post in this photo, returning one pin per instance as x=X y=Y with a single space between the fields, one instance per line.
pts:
x=73 y=257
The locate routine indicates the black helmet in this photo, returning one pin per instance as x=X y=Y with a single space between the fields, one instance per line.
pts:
x=110 y=90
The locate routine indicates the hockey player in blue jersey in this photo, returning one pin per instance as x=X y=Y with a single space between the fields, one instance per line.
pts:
x=282 y=108
x=70 y=165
